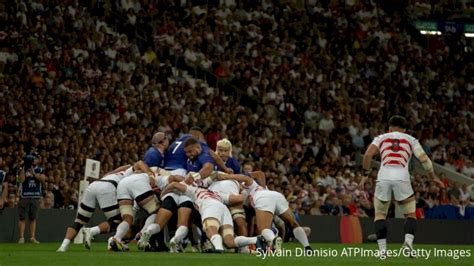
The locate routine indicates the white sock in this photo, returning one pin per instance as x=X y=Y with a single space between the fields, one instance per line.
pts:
x=150 y=220
x=300 y=235
x=153 y=229
x=65 y=243
x=181 y=233
x=95 y=230
x=217 y=242
x=382 y=244
x=409 y=239
x=242 y=241
x=122 y=229
x=268 y=235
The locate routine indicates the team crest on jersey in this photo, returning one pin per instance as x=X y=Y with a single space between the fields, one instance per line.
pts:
x=395 y=145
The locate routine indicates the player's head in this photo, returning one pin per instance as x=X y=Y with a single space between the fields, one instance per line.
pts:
x=397 y=123
x=192 y=148
x=224 y=149
x=160 y=140
x=197 y=133
x=248 y=167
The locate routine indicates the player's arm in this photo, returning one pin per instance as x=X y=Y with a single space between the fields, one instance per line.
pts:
x=240 y=178
x=174 y=186
x=366 y=162
x=218 y=160
x=119 y=169
x=143 y=167
x=426 y=162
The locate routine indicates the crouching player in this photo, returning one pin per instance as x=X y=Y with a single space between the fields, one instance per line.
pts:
x=266 y=204
x=104 y=192
x=215 y=216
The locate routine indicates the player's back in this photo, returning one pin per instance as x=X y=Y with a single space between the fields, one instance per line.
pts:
x=396 y=150
x=119 y=176
x=175 y=157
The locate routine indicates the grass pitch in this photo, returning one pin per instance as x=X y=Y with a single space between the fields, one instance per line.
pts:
x=325 y=254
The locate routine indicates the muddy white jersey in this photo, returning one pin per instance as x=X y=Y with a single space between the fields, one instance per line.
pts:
x=119 y=176
x=225 y=186
x=396 y=151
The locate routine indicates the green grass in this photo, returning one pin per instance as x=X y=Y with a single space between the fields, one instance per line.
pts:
x=45 y=254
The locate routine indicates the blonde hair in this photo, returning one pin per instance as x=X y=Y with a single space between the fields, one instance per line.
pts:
x=225 y=143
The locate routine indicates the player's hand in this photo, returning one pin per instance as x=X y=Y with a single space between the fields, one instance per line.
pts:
x=228 y=170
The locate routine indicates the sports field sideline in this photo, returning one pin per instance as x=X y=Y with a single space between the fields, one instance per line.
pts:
x=329 y=254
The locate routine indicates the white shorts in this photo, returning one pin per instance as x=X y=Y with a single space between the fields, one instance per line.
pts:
x=401 y=190
x=215 y=209
x=133 y=186
x=270 y=201
x=103 y=193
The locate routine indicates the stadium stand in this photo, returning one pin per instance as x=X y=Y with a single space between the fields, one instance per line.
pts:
x=298 y=86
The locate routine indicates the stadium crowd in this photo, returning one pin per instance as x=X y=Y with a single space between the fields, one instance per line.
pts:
x=317 y=81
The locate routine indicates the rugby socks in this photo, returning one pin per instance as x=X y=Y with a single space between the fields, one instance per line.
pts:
x=65 y=243
x=95 y=231
x=153 y=229
x=268 y=235
x=217 y=242
x=181 y=233
x=122 y=229
x=300 y=235
x=242 y=241
x=410 y=228
x=381 y=232
x=150 y=220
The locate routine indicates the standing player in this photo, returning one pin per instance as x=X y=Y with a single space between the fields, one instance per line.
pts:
x=103 y=192
x=396 y=149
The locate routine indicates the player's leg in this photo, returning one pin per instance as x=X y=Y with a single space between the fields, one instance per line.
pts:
x=149 y=202
x=382 y=198
x=298 y=231
x=22 y=213
x=264 y=219
x=185 y=211
x=33 y=214
x=404 y=195
x=238 y=215
x=227 y=232
x=84 y=214
x=165 y=213
x=211 y=227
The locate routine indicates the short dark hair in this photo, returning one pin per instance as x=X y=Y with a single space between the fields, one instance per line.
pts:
x=397 y=121
x=196 y=129
x=190 y=141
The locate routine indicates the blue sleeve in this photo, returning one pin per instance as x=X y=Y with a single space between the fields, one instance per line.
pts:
x=236 y=166
x=153 y=159
x=205 y=157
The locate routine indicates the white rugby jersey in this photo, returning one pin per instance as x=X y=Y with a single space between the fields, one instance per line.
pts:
x=396 y=150
x=225 y=186
x=250 y=191
x=199 y=195
x=119 y=176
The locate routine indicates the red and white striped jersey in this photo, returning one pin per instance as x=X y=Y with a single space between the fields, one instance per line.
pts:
x=250 y=191
x=396 y=150
x=199 y=195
